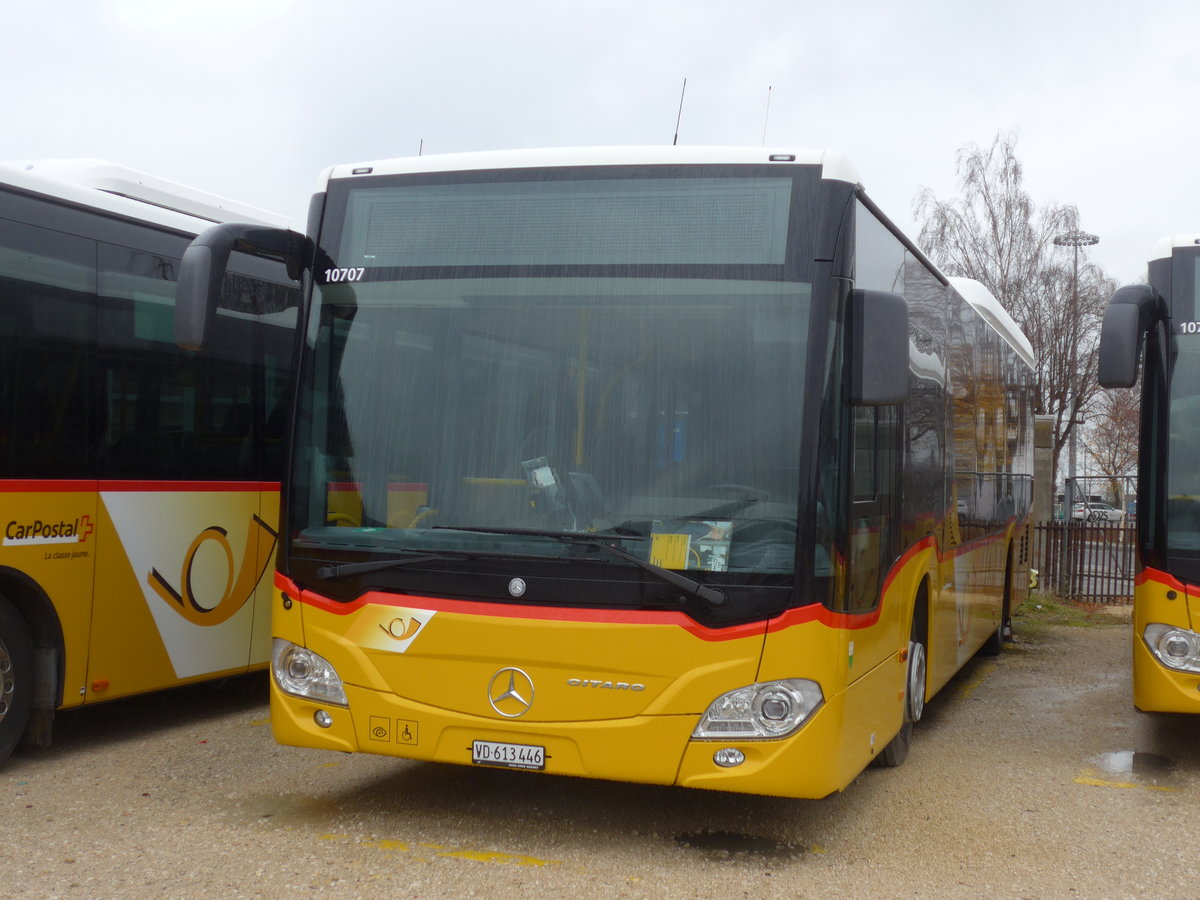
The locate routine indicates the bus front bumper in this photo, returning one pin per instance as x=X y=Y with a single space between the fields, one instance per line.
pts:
x=645 y=749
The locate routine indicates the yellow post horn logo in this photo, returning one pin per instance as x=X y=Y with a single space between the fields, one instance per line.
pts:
x=400 y=629
x=260 y=540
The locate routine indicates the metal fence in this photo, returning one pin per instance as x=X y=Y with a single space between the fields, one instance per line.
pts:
x=1092 y=562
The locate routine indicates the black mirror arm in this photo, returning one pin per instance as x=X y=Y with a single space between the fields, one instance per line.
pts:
x=203 y=267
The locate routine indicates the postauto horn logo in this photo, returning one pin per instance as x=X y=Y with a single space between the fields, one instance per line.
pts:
x=240 y=580
x=18 y=534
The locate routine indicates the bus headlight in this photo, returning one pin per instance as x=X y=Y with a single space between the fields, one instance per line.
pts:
x=1176 y=648
x=771 y=710
x=301 y=672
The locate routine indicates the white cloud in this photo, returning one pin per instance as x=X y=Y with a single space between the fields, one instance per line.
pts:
x=180 y=20
x=252 y=98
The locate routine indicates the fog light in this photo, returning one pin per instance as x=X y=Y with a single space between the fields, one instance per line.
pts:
x=322 y=718
x=728 y=757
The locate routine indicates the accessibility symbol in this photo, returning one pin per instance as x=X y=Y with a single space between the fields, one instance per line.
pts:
x=406 y=731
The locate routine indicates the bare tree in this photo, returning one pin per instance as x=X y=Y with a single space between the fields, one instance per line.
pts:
x=995 y=233
x=1112 y=443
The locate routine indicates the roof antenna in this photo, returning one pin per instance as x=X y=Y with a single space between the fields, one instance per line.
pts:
x=767 y=117
x=679 y=117
x=421 y=147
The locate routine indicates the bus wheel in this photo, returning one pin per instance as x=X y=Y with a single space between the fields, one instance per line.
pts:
x=994 y=645
x=16 y=677
x=914 y=703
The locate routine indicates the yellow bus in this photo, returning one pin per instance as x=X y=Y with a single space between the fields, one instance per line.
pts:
x=668 y=465
x=1162 y=318
x=139 y=482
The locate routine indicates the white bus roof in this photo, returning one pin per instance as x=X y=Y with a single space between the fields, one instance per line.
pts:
x=107 y=187
x=989 y=308
x=1162 y=249
x=834 y=166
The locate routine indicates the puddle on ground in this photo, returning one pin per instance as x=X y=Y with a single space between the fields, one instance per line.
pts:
x=725 y=845
x=1132 y=768
x=1133 y=762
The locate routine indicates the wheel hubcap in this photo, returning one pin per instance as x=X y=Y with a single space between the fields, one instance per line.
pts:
x=7 y=685
x=916 y=680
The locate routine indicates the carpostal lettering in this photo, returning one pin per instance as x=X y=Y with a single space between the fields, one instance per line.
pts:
x=605 y=685
x=39 y=532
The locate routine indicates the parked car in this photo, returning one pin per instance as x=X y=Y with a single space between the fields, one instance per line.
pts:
x=1097 y=512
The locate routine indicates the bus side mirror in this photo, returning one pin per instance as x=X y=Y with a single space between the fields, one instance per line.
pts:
x=1129 y=315
x=203 y=267
x=879 y=348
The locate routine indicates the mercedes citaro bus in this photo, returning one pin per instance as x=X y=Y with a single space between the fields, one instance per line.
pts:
x=671 y=465
x=1162 y=318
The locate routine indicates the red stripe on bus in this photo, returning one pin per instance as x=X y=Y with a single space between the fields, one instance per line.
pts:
x=189 y=486
x=537 y=613
x=46 y=486
x=1165 y=579
x=520 y=611
x=847 y=620
x=811 y=612
x=985 y=540
x=77 y=486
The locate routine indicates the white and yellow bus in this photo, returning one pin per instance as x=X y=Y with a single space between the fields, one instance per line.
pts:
x=670 y=465
x=1163 y=317
x=139 y=483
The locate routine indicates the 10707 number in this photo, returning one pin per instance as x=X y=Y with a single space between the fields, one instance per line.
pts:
x=335 y=276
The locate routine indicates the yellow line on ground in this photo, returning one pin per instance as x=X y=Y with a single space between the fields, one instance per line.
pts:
x=1094 y=781
x=484 y=856
x=495 y=856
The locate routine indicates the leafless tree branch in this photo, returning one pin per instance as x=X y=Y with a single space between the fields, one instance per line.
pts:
x=995 y=233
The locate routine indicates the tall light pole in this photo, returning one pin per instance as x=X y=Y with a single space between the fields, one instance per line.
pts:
x=1075 y=238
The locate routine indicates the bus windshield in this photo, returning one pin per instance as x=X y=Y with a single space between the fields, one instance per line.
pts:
x=1183 y=448
x=645 y=383
x=654 y=406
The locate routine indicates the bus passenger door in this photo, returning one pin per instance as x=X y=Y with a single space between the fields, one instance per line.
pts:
x=872 y=531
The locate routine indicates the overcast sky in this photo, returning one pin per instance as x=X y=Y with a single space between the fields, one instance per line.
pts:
x=252 y=98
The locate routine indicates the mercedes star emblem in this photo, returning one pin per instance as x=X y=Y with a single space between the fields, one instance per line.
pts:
x=510 y=692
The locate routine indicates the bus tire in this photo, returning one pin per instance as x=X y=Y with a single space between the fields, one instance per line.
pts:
x=994 y=645
x=914 y=702
x=16 y=677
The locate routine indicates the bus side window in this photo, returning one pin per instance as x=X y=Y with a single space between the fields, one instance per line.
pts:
x=47 y=317
x=168 y=414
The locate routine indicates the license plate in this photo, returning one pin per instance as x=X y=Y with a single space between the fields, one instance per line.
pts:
x=510 y=756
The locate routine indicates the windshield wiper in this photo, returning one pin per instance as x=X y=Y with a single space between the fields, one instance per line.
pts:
x=395 y=562
x=710 y=595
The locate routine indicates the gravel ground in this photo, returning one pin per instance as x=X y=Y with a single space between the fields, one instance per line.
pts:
x=1031 y=776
